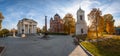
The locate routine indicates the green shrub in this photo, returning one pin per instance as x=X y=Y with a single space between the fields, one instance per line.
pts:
x=4 y=32
x=82 y=37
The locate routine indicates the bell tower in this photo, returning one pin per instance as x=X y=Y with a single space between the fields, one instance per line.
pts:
x=80 y=16
x=81 y=26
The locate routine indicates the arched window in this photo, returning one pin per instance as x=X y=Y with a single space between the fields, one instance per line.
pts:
x=81 y=30
x=80 y=17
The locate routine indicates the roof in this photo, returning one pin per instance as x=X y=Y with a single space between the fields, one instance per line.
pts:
x=56 y=14
x=80 y=10
x=51 y=18
x=26 y=19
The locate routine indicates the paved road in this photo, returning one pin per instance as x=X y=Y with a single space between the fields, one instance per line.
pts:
x=60 y=45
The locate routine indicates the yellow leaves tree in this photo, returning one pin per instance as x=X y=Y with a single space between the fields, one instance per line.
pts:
x=1 y=18
x=96 y=23
x=38 y=30
x=100 y=25
x=110 y=27
x=69 y=24
x=109 y=24
x=4 y=32
x=43 y=29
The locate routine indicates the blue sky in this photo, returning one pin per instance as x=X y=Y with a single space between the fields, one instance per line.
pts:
x=15 y=10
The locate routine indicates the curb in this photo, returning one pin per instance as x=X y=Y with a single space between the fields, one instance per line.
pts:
x=2 y=51
x=89 y=54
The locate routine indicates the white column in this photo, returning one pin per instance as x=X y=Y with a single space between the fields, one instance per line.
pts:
x=35 y=29
x=24 y=28
x=20 y=26
x=19 y=29
x=31 y=28
x=28 y=28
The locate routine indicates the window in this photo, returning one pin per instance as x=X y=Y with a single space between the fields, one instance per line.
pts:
x=80 y=17
x=81 y=30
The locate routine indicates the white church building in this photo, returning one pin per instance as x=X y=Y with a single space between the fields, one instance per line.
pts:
x=28 y=26
x=81 y=26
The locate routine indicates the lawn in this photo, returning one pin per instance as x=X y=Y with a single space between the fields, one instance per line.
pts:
x=108 y=47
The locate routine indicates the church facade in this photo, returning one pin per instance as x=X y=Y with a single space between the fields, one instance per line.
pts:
x=27 y=26
x=56 y=24
x=81 y=26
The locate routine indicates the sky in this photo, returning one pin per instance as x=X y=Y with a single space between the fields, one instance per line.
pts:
x=15 y=10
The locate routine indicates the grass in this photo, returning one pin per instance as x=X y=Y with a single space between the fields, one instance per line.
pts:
x=108 y=47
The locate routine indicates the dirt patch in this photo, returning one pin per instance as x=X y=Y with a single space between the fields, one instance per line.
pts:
x=1 y=49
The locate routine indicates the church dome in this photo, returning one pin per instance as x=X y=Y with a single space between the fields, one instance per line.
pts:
x=51 y=18
x=56 y=14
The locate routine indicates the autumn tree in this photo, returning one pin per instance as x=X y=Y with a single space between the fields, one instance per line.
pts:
x=69 y=24
x=13 y=30
x=43 y=29
x=96 y=22
x=38 y=30
x=109 y=24
x=100 y=25
x=1 y=18
x=4 y=32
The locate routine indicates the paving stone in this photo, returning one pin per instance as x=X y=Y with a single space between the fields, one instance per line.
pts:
x=57 y=45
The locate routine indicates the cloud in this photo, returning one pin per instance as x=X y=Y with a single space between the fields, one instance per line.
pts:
x=73 y=7
x=113 y=8
x=37 y=10
x=117 y=22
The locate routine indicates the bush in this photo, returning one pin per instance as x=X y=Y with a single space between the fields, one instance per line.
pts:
x=82 y=37
x=74 y=35
x=4 y=32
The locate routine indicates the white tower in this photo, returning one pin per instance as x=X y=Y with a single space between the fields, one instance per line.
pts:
x=81 y=26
